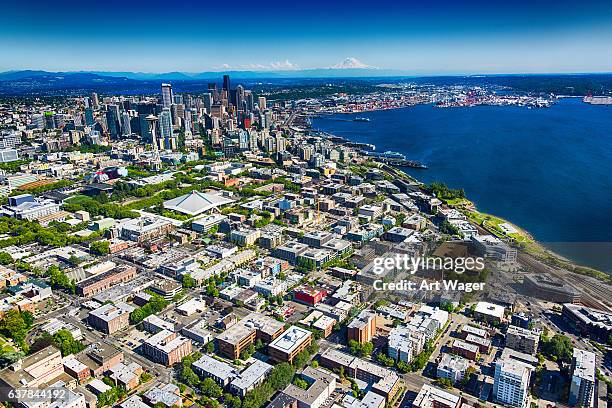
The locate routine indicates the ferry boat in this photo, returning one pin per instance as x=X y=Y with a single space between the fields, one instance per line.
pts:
x=386 y=155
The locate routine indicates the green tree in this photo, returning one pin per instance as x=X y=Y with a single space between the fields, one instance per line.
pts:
x=101 y=247
x=64 y=340
x=443 y=192
x=155 y=305
x=188 y=376
x=359 y=349
x=281 y=376
x=558 y=348
x=6 y=259
x=212 y=291
x=448 y=306
x=188 y=281
x=444 y=383
x=210 y=388
x=385 y=360
x=299 y=382
x=15 y=325
x=59 y=280
x=232 y=401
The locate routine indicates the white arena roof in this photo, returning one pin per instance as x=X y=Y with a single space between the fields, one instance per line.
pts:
x=195 y=203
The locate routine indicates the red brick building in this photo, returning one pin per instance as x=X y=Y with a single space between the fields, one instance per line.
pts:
x=309 y=295
x=105 y=280
x=166 y=348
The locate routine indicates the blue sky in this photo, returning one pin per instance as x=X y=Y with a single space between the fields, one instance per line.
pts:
x=442 y=37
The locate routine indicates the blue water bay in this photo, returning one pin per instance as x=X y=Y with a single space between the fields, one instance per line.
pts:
x=546 y=170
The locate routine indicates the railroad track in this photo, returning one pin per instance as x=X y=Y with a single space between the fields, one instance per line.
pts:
x=592 y=295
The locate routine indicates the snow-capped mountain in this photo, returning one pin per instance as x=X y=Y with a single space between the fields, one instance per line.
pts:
x=350 y=63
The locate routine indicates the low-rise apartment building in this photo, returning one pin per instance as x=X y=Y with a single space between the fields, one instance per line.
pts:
x=166 y=347
x=285 y=347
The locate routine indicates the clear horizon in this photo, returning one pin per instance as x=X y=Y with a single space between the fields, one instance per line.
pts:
x=448 y=39
x=398 y=73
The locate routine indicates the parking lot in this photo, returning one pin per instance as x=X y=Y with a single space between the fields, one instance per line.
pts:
x=134 y=338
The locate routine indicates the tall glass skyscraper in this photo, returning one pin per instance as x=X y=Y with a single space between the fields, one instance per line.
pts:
x=165 y=124
x=126 y=127
x=89 y=117
x=166 y=90
x=112 y=121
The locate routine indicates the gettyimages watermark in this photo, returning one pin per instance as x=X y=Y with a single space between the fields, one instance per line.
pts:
x=409 y=264
x=404 y=262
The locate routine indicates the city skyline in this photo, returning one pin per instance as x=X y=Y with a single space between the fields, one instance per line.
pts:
x=473 y=38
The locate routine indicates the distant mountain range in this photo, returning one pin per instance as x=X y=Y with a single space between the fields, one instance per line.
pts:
x=342 y=70
x=41 y=83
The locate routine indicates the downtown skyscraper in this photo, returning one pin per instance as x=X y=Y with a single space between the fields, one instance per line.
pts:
x=112 y=121
x=166 y=90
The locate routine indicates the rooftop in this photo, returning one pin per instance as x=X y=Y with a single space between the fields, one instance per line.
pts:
x=244 y=328
x=168 y=395
x=363 y=319
x=465 y=346
x=584 y=364
x=221 y=370
x=195 y=202
x=111 y=311
x=319 y=381
x=519 y=331
x=290 y=339
x=249 y=376
x=490 y=309
x=590 y=316
x=430 y=396
x=450 y=362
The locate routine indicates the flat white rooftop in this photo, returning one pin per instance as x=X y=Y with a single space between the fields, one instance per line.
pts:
x=490 y=309
x=290 y=339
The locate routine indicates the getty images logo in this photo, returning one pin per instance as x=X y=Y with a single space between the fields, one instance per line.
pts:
x=404 y=262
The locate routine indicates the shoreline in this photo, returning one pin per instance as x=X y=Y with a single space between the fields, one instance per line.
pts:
x=531 y=246
x=522 y=239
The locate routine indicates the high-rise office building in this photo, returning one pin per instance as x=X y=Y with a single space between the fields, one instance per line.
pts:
x=135 y=124
x=243 y=140
x=188 y=99
x=166 y=90
x=207 y=100
x=261 y=102
x=112 y=121
x=212 y=87
x=151 y=122
x=226 y=84
x=126 y=127
x=165 y=125
x=305 y=152
x=281 y=144
x=239 y=98
x=89 y=117
x=49 y=120
x=582 y=387
x=38 y=121
x=174 y=114
x=249 y=101
x=95 y=103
